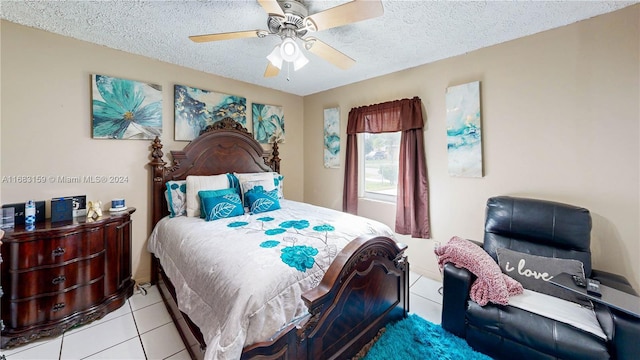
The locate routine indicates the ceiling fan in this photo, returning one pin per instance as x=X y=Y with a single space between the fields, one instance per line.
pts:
x=290 y=20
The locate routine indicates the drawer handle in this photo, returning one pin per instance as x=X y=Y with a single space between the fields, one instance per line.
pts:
x=58 y=306
x=58 y=252
x=59 y=279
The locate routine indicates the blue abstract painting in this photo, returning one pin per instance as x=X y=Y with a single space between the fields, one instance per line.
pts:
x=125 y=109
x=195 y=109
x=464 y=137
x=268 y=123
x=332 y=138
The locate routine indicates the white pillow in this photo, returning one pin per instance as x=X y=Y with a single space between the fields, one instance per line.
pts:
x=197 y=183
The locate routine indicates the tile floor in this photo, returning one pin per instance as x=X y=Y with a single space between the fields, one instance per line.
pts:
x=142 y=329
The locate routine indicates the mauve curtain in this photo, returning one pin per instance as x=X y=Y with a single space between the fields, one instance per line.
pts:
x=412 y=205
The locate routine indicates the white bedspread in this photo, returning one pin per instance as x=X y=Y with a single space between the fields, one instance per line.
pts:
x=240 y=279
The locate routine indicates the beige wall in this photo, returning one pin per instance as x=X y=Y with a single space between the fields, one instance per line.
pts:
x=46 y=122
x=560 y=117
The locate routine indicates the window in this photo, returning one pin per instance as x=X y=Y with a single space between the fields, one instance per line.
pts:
x=412 y=211
x=380 y=165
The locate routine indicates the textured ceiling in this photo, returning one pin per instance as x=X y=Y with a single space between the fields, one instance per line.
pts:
x=409 y=34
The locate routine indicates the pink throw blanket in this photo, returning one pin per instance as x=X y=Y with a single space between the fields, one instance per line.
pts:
x=491 y=284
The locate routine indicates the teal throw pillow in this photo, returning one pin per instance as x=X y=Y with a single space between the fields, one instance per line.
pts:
x=204 y=194
x=221 y=207
x=262 y=201
x=234 y=183
x=177 y=197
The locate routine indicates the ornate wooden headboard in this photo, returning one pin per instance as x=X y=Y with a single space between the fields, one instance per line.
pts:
x=225 y=146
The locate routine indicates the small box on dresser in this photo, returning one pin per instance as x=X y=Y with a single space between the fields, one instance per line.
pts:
x=64 y=274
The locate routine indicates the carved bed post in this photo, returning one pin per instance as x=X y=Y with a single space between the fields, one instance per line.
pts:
x=274 y=162
x=157 y=177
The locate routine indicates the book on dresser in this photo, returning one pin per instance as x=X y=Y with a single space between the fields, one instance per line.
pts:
x=63 y=274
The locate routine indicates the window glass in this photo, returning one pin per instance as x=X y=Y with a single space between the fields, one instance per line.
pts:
x=380 y=170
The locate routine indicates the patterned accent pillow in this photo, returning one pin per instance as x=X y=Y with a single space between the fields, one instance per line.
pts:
x=177 y=197
x=250 y=180
x=262 y=201
x=221 y=207
x=234 y=183
x=204 y=194
x=278 y=181
x=534 y=273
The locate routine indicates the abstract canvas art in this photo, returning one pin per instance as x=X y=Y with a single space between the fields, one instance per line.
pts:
x=464 y=137
x=332 y=138
x=195 y=109
x=268 y=123
x=125 y=109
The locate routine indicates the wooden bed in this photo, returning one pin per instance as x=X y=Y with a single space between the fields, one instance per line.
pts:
x=365 y=287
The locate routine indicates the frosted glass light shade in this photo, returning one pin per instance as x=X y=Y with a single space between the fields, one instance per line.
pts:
x=275 y=58
x=300 y=62
x=289 y=50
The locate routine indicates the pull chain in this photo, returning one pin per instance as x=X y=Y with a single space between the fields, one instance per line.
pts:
x=288 y=70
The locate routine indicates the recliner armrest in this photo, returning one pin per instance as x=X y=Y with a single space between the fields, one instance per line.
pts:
x=615 y=281
x=456 y=284
x=626 y=328
x=626 y=332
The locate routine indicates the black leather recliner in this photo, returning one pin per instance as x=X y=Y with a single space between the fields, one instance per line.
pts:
x=540 y=228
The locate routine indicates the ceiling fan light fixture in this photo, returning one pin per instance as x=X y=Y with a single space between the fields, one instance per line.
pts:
x=287 y=51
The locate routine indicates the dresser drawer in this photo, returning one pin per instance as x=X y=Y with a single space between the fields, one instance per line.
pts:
x=48 y=280
x=56 y=250
x=54 y=307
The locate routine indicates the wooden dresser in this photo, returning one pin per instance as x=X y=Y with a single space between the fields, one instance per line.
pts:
x=64 y=274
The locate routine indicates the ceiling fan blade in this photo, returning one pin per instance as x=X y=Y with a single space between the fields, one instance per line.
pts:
x=224 y=36
x=354 y=11
x=271 y=7
x=271 y=70
x=330 y=54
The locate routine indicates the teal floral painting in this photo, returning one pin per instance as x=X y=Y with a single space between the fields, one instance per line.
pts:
x=268 y=123
x=464 y=137
x=125 y=109
x=332 y=138
x=195 y=109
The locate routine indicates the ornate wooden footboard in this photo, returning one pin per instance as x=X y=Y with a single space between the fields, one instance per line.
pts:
x=365 y=287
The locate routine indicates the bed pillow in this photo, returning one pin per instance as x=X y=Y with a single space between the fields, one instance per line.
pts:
x=250 y=180
x=534 y=273
x=176 y=195
x=278 y=182
x=197 y=183
x=204 y=194
x=262 y=201
x=234 y=183
x=222 y=206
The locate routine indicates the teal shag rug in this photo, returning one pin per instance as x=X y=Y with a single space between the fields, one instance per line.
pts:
x=417 y=338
